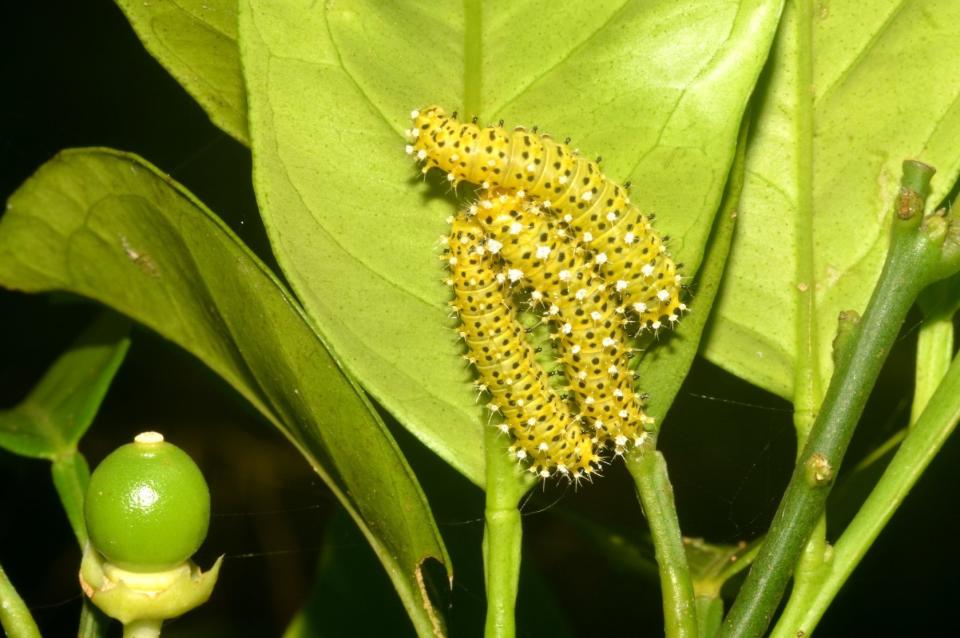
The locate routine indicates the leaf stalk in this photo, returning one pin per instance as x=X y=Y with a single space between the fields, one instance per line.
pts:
x=652 y=483
x=502 y=535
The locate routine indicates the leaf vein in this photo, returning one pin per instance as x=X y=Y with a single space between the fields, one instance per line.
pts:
x=861 y=56
x=574 y=49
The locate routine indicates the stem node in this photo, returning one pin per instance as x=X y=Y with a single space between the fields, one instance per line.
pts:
x=819 y=471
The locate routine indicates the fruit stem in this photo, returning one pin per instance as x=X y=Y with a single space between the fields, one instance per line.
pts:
x=142 y=629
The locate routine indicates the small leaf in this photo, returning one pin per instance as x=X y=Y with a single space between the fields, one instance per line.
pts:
x=658 y=89
x=50 y=421
x=196 y=41
x=109 y=226
x=713 y=565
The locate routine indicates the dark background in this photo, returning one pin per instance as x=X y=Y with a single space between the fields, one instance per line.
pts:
x=74 y=74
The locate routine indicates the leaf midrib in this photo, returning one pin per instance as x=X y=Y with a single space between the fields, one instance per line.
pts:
x=806 y=392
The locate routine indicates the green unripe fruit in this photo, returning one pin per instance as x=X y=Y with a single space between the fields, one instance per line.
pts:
x=147 y=506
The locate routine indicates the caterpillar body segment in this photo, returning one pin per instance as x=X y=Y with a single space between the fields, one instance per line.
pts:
x=546 y=433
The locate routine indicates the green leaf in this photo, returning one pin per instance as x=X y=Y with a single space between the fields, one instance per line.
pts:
x=854 y=89
x=196 y=42
x=107 y=225
x=50 y=421
x=712 y=566
x=657 y=88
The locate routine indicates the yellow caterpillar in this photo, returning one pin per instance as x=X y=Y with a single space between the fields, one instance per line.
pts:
x=590 y=332
x=551 y=227
x=593 y=210
x=546 y=433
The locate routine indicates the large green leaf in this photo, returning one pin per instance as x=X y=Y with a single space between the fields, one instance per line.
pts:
x=196 y=41
x=854 y=89
x=111 y=227
x=657 y=88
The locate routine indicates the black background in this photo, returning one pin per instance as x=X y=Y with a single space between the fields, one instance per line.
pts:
x=74 y=74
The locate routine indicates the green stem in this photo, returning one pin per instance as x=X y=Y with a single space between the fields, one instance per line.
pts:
x=142 y=629
x=807 y=384
x=15 y=618
x=709 y=615
x=93 y=622
x=934 y=351
x=922 y=443
x=812 y=568
x=502 y=535
x=649 y=471
x=71 y=474
x=915 y=259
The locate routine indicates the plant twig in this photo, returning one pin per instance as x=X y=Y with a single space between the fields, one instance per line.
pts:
x=922 y=443
x=934 y=352
x=649 y=471
x=923 y=249
x=15 y=618
x=709 y=615
x=502 y=535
